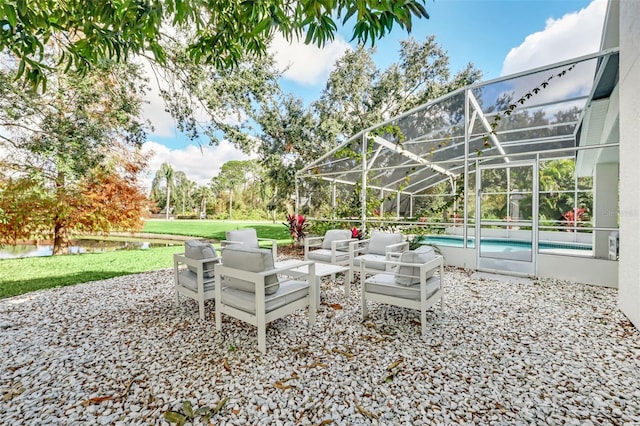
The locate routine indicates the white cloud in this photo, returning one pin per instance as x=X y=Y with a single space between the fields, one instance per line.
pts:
x=574 y=34
x=200 y=164
x=163 y=124
x=308 y=64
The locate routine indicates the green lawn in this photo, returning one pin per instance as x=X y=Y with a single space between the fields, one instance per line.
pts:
x=216 y=229
x=19 y=276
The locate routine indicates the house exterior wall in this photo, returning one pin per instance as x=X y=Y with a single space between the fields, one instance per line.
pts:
x=629 y=267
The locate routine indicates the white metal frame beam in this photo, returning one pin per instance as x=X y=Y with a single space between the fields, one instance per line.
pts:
x=410 y=155
x=485 y=123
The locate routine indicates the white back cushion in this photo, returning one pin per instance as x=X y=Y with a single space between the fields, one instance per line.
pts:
x=252 y=260
x=247 y=237
x=196 y=249
x=380 y=240
x=336 y=235
x=409 y=275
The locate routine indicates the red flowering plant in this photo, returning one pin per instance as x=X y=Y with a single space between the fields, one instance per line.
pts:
x=298 y=226
x=356 y=233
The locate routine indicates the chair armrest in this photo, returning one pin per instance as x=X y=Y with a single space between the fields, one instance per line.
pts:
x=334 y=244
x=357 y=247
x=393 y=256
x=225 y=243
x=397 y=247
x=425 y=267
x=196 y=263
x=312 y=242
x=274 y=246
x=287 y=270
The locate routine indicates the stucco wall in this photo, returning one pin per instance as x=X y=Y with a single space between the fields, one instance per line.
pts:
x=629 y=267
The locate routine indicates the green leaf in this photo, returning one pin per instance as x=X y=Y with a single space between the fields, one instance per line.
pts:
x=175 y=417
x=219 y=406
x=10 y=13
x=22 y=7
x=187 y=409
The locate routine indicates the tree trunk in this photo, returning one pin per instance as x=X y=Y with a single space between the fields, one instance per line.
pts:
x=60 y=238
x=168 y=203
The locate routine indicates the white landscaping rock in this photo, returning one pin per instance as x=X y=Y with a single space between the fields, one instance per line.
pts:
x=119 y=351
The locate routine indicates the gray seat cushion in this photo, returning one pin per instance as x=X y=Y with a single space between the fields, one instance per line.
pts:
x=252 y=260
x=386 y=284
x=198 y=250
x=248 y=237
x=288 y=292
x=189 y=280
x=373 y=261
x=336 y=235
x=324 y=256
x=380 y=240
x=409 y=275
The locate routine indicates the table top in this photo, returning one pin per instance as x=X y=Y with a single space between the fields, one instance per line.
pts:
x=322 y=269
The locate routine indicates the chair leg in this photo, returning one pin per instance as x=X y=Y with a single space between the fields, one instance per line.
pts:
x=262 y=338
x=347 y=283
x=201 y=307
x=365 y=312
x=218 y=318
x=261 y=324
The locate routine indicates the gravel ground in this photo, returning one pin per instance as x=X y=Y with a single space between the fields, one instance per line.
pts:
x=120 y=352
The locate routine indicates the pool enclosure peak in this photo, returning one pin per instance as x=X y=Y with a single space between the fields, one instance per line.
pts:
x=534 y=114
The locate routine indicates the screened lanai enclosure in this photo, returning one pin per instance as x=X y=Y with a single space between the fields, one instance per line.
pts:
x=516 y=174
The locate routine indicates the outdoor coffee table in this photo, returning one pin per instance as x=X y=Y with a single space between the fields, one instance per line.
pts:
x=323 y=270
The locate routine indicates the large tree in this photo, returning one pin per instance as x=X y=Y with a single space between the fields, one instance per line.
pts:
x=67 y=150
x=220 y=32
x=165 y=175
x=359 y=95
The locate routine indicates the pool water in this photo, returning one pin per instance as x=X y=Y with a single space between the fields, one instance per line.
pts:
x=501 y=245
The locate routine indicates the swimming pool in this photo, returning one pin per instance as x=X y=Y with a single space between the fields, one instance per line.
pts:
x=501 y=245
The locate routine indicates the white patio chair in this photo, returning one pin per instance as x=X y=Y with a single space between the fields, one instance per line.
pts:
x=251 y=290
x=376 y=250
x=331 y=248
x=409 y=283
x=194 y=272
x=249 y=238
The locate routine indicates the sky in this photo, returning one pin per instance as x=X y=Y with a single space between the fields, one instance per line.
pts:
x=500 y=37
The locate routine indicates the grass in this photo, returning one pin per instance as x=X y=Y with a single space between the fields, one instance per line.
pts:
x=24 y=275
x=216 y=229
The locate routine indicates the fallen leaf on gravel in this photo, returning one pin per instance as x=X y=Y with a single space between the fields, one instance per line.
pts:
x=97 y=399
x=280 y=385
x=221 y=404
x=365 y=412
x=345 y=353
x=395 y=363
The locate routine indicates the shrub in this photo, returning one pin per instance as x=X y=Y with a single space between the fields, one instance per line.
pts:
x=297 y=225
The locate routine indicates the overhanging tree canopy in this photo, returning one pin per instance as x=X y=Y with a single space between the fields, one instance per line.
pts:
x=86 y=32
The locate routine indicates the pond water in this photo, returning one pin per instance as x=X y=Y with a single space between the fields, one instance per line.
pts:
x=82 y=246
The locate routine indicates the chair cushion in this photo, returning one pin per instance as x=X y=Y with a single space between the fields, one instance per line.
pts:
x=189 y=280
x=289 y=291
x=336 y=235
x=386 y=284
x=380 y=240
x=198 y=250
x=374 y=261
x=252 y=260
x=409 y=275
x=324 y=256
x=248 y=237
